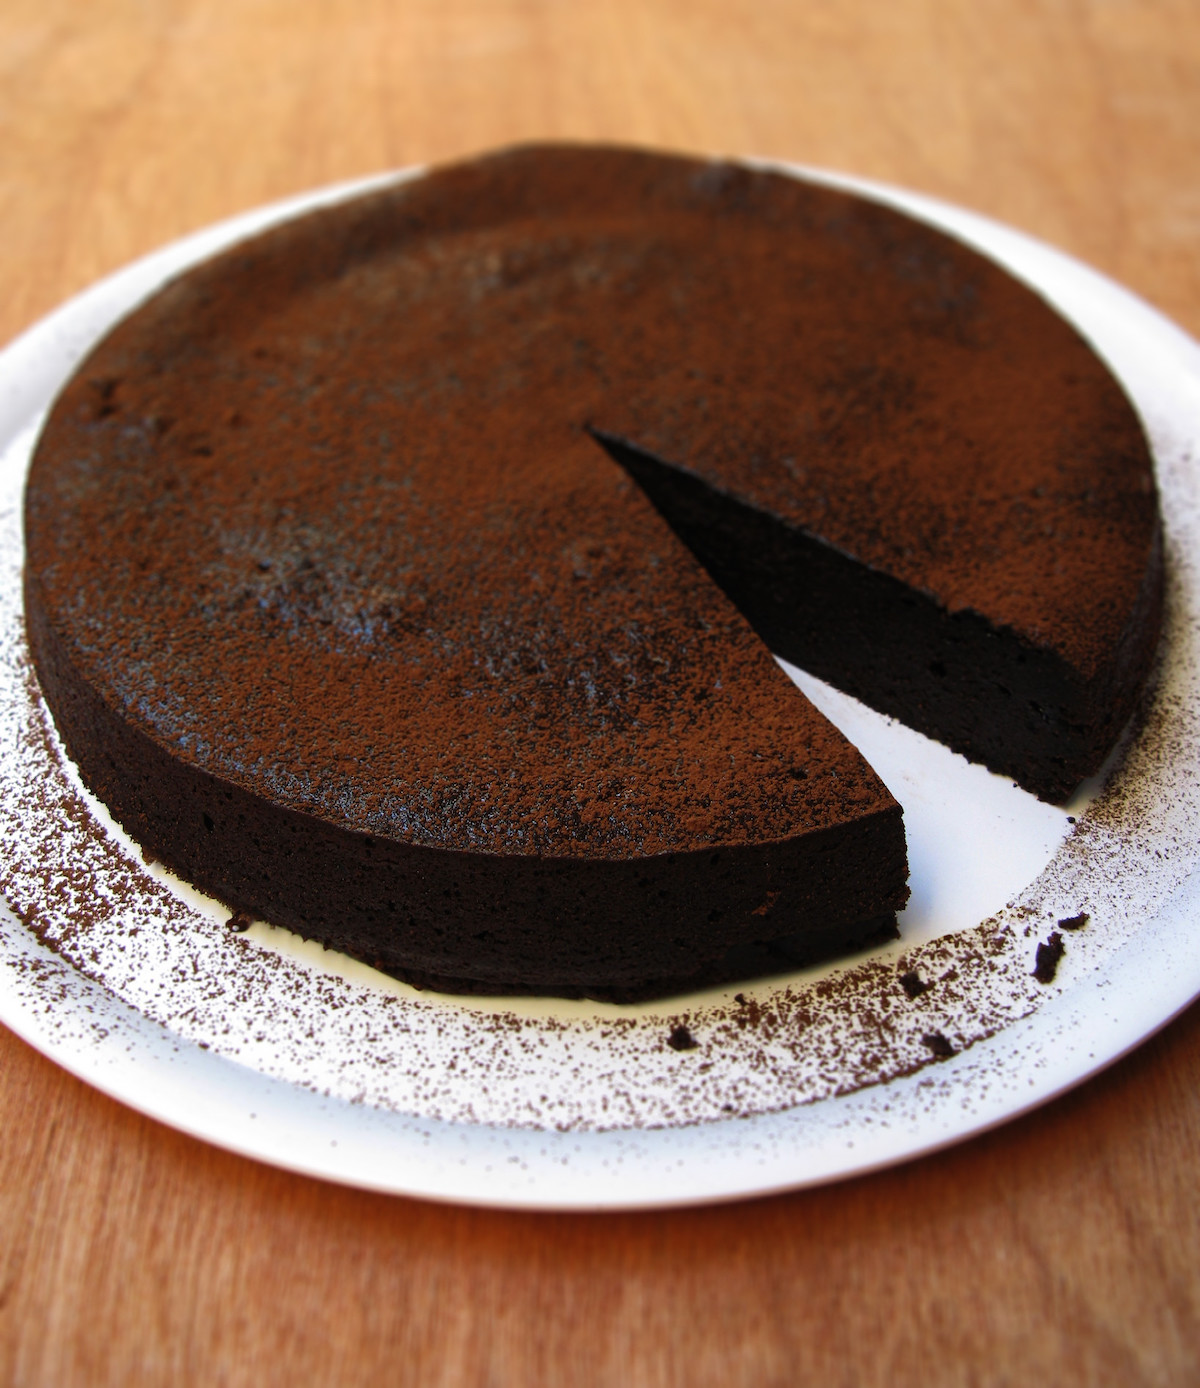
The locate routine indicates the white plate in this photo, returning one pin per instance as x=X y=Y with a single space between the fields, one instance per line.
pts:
x=271 y=1048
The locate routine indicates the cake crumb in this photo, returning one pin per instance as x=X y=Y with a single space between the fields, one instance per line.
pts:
x=1049 y=952
x=681 y=1039
x=937 y=1043
x=913 y=984
x=1074 y=922
x=239 y=922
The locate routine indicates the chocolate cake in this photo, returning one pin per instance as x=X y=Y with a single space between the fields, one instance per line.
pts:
x=371 y=565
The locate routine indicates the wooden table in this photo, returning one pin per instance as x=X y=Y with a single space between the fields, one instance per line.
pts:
x=1061 y=1249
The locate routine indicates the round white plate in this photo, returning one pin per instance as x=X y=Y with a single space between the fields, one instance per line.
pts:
x=272 y=1048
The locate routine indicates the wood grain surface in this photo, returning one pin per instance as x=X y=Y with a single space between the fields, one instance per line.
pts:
x=1062 y=1249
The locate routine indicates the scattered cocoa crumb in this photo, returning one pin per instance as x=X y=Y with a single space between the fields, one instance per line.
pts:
x=1048 y=955
x=1074 y=922
x=239 y=922
x=937 y=1043
x=913 y=984
x=681 y=1039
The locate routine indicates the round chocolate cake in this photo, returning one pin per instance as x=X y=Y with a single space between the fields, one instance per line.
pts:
x=406 y=575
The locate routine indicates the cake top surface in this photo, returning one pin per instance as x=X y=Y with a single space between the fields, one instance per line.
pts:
x=324 y=516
